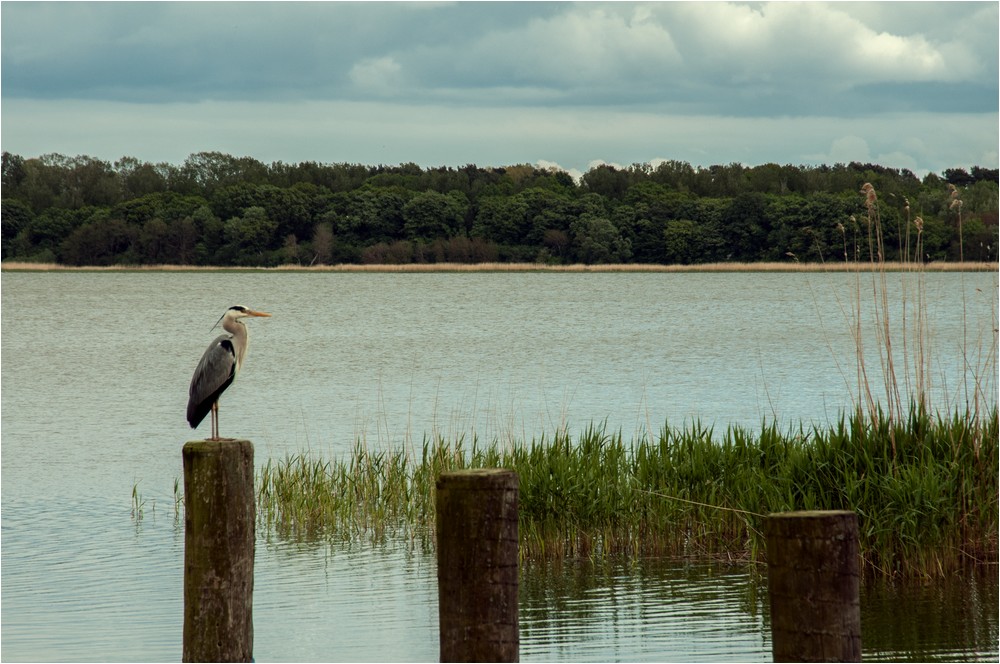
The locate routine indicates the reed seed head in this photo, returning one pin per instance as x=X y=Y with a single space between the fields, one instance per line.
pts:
x=869 y=192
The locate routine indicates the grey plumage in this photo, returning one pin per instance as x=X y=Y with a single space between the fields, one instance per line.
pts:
x=218 y=367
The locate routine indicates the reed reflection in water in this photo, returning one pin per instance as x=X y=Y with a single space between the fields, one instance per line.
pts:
x=647 y=610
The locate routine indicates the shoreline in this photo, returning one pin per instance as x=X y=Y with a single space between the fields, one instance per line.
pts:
x=889 y=266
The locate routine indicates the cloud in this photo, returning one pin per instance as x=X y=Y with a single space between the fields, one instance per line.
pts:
x=582 y=46
x=380 y=75
x=813 y=45
x=501 y=83
x=712 y=57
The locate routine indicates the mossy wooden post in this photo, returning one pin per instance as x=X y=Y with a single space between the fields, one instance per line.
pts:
x=218 y=551
x=477 y=565
x=814 y=586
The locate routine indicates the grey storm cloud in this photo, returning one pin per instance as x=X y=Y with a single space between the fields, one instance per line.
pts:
x=701 y=57
x=483 y=82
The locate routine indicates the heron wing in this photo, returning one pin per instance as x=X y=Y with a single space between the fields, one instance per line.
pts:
x=215 y=372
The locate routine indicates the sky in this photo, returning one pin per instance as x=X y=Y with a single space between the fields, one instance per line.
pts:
x=565 y=85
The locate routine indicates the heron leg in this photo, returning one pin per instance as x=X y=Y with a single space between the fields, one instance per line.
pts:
x=215 y=420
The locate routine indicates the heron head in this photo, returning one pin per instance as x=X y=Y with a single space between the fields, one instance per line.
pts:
x=239 y=311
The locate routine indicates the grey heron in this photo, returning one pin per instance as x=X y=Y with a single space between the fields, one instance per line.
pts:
x=218 y=367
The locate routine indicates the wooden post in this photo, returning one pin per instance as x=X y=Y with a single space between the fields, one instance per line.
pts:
x=814 y=585
x=477 y=565
x=219 y=516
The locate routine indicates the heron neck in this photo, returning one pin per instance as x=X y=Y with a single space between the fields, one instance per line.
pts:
x=241 y=338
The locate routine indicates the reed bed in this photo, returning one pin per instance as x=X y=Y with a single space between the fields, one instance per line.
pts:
x=927 y=507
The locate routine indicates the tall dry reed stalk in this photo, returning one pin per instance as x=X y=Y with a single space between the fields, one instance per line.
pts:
x=906 y=384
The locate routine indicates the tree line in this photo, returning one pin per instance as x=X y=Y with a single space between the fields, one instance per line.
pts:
x=217 y=209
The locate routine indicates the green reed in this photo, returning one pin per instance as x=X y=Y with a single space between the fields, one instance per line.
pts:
x=924 y=488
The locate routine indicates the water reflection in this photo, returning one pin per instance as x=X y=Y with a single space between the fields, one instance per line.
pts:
x=115 y=594
x=648 y=610
x=342 y=602
x=951 y=621
x=82 y=583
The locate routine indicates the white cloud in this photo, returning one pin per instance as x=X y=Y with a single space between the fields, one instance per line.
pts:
x=810 y=44
x=380 y=75
x=582 y=45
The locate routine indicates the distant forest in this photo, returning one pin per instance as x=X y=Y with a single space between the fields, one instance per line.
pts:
x=217 y=209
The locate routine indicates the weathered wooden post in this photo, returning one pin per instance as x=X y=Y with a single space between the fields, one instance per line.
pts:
x=477 y=565
x=814 y=585
x=219 y=516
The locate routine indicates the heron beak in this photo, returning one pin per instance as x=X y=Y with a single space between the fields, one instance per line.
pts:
x=258 y=313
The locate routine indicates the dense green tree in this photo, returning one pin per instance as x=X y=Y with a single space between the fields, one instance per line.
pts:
x=288 y=208
x=15 y=216
x=139 y=178
x=154 y=243
x=806 y=227
x=433 y=215
x=670 y=211
x=677 y=175
x=370 y=215
x=211 y=170
x=608 y=181
x=958 y=177
x=48 y=229
x=100 y=242
x=502 y=219
x=681 y=243
x=251 y=233
x=745 y=225
x=88 y=181
x=13 y=171
x=597 y=240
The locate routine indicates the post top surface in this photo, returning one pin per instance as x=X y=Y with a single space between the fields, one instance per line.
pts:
x=478 y=479
x=478 y=472
x=208 y=446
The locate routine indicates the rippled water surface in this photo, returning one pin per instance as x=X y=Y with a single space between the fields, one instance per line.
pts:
x=95 y=368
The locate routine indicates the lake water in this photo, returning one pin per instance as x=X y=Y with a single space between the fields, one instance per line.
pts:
x=95 y=369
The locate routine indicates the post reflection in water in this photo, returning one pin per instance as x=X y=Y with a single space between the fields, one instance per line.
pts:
x=668 y=610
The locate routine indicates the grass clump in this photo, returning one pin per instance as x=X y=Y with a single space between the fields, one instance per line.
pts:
x=925 y=490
